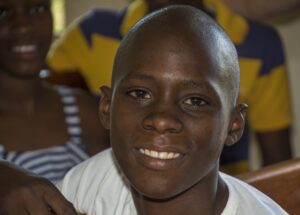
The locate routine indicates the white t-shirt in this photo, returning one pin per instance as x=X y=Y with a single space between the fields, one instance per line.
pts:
x=96 y=187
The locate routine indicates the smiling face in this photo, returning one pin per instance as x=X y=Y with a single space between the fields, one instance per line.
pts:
x=25 y=35
x=169 y=111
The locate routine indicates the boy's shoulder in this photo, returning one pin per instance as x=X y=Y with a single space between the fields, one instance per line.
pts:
x=95 y=184
x=245 y=199
x=97 y=168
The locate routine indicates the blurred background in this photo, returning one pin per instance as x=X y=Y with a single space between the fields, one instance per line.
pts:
x=65 y=11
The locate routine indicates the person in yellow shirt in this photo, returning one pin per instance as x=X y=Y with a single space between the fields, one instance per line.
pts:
x=89 y=46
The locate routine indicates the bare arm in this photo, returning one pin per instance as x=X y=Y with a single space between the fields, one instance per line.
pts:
x=261 y=9
x=23 y=193
x=275 y=146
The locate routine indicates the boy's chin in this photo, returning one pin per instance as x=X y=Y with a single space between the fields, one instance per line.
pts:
x=152 y=191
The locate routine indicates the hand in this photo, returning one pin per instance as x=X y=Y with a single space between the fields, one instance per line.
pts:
x=23 y=193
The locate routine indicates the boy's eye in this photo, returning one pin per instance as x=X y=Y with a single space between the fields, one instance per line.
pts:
x=194 y=101
x=39 y=8
x=139 y=94
x=4 y=12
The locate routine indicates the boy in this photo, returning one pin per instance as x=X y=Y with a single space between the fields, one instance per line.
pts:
x=90 y=44
x=171 y=109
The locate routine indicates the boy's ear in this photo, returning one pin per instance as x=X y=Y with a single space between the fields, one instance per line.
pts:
x=104 y=106
x=237 y=125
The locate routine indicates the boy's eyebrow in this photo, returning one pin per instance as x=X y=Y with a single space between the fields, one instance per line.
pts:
x=197 y=84
x=200 y=84
x=139 y=76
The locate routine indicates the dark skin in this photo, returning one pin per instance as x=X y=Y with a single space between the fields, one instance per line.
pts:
x=171 y=97
x=275 y=145
x=25 y=193
x=271 y=148
x=31 y=111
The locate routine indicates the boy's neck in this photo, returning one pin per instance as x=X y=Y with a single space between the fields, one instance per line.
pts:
x=207 y=197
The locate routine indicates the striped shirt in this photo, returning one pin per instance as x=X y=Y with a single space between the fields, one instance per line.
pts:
x=53 y=163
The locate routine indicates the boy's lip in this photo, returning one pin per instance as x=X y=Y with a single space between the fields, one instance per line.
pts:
x=163 y=155
x=159 y=159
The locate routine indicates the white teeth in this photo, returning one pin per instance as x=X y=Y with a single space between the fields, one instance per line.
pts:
x=163 y=155
x=160 y=155
x=24 y=48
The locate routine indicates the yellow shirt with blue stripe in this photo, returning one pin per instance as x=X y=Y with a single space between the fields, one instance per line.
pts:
x=90 y=44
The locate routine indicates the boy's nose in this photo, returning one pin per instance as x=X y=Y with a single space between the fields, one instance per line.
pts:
x=162 y=122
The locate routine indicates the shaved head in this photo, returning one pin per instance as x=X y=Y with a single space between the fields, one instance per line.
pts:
x=182 y=27
x=174 y=89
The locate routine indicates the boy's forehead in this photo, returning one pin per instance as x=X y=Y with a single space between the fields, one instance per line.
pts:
x=181 y=29
x=154 y=46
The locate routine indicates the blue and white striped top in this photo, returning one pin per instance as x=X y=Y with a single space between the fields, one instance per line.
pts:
x=53 y=163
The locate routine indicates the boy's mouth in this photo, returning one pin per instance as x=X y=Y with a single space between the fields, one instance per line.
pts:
x=159 y=155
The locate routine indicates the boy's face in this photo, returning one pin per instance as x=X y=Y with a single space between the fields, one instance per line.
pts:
x=168 y=115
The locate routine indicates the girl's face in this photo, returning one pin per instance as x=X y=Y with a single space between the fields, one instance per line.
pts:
x=25 y=36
